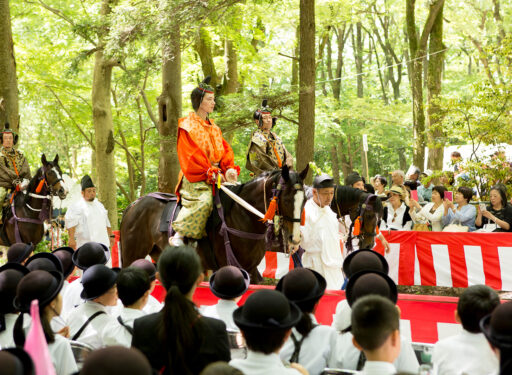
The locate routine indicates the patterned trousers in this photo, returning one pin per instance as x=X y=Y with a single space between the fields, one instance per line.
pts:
x=197 y=205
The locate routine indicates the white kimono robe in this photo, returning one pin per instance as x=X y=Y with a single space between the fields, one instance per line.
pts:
x=91 y=222
x=321 y=243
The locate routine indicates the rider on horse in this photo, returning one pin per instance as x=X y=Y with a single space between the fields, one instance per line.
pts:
x=205 y=158
x=14 y=168
x=266 y=151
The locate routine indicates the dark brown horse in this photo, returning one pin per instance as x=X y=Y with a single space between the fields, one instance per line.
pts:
x=24 y=221
x=356 y=202
x=140 y=234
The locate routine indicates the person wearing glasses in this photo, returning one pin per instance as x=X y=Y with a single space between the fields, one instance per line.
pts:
x=396 y=214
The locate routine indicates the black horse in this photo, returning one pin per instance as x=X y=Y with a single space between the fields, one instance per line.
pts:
x=358 y=203
x=140 y=234
x=24 y=220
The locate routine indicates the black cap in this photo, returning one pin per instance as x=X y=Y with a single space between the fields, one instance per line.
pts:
x=267 y=310
x=229 y=282
x=116 y=360
x=97 y=280
x=65 y=255
x=10 y=276
x=302 y=286
x=497 y=326
x=8 y=129
x=146 y=266
x=86 y=182
x=41 y=285
x=44 y=261
x=16 y=361
x=370 y=282
x=18 y=252
x=89 y=254
x=352 y=178
x=323 y=181
x=364 y=260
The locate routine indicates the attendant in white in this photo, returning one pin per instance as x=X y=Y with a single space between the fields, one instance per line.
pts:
x=396 y=215
x=45 y=287
x=133 y=290
x=85 y=256
x=10 y=276
x=229 y=283
x=375 y=326
x=431 y=213
x=87 y=220
x=153 y=305
x=468 y=353
x=265 y=320
x=309 y=344
x=90 y=322
x=320 y=238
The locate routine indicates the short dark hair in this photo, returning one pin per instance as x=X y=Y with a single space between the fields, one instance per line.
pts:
x=466 y=192
x=382 y=180
x=440 y=189
x=266 y=342
x=374 y=319
x=456 y=154
x=132 y=283
x=476 y=302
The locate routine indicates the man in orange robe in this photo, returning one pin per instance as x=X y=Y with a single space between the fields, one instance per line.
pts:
x=204 y=157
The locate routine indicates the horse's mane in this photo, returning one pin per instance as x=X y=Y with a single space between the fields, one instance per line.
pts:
x=346 y=194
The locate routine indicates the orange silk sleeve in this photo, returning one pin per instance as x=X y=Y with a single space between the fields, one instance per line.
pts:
x=228 y=159
x=193 y=161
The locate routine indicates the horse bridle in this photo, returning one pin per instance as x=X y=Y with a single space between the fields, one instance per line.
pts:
x=360 y=216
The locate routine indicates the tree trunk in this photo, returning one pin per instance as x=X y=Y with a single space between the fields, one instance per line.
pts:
x=346 y=157
x=417 y=48
x=306 y=133
x=335 y=164
x=358 y=56
x=169 y=110
x=104 y=126
x=9 y=111
x=231 y=86
x=342 y=35
x=434 y=75
x=295 y=62
x=203 y=46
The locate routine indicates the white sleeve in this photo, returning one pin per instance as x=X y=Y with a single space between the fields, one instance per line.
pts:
x=407 y=361
x=73 y=216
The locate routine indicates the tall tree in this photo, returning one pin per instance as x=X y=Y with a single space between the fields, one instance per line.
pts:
x=102 y=120
x=306 y=134
x=169 y=103
x=417 y=50
x=434 y=75
x=9 y=111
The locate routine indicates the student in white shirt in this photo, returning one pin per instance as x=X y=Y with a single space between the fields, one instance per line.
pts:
x=375 y=325
x=45 y=287
x=85 y=256
x=133 y=289
x=309 y=344
x=396 y=215
x=265 y=321
x=153 y=305
x=229 y=283
x=468 y=352
x=64 y=254
x=345 y=355
x=10 y=276
x=90 y=323
x=497 y=328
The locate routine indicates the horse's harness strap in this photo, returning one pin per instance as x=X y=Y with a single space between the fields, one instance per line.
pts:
x=33 y=195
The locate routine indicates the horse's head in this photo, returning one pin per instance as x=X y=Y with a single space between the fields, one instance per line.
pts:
x=369 y=213
x=52 y=175
x=291 y=203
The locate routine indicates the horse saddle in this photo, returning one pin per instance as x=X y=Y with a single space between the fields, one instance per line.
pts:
x=170 y=212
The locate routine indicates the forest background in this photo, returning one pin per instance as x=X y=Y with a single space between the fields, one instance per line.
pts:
x=103 y=83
